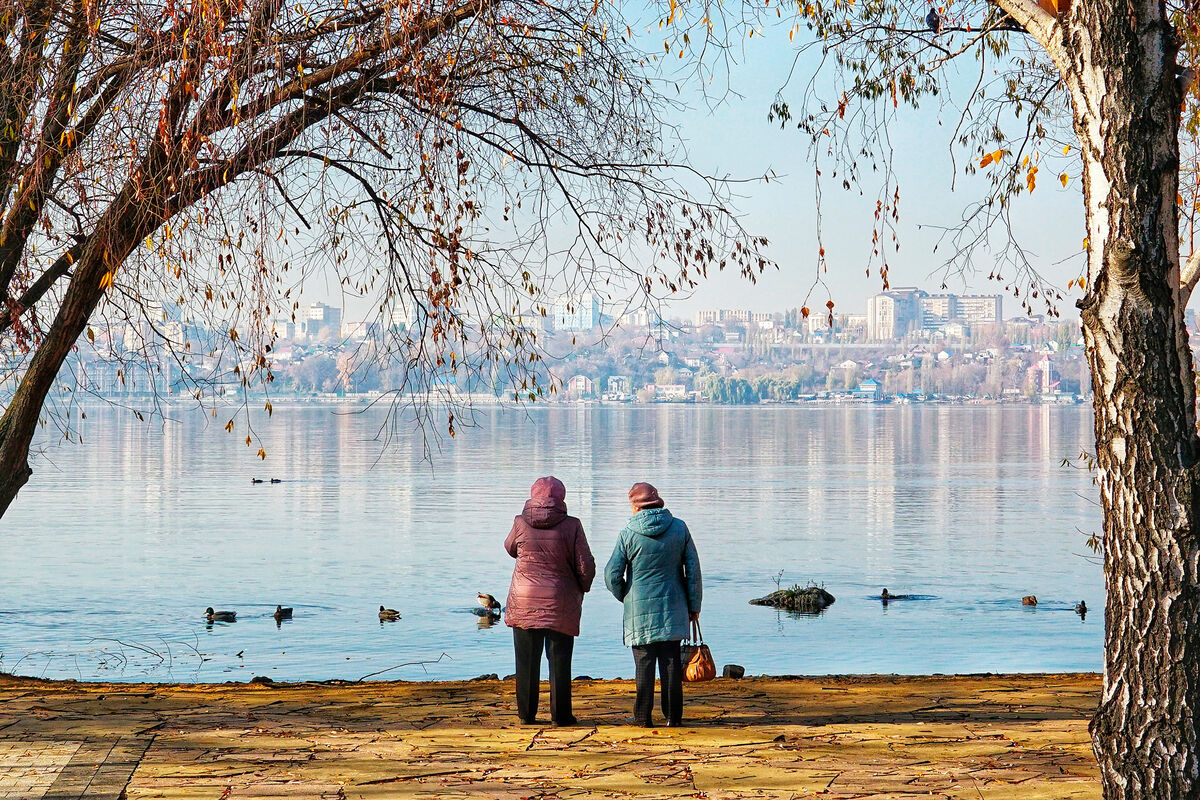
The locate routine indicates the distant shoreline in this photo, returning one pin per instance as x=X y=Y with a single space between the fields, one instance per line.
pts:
x=488 y=401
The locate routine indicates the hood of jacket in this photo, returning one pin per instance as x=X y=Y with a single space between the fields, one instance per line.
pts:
x=546 y=506
x=650 y=522
x=544 y=512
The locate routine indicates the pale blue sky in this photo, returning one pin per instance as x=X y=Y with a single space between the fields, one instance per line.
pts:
x=736 y=139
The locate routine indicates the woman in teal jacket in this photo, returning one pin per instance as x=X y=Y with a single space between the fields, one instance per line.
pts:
x=655 y=572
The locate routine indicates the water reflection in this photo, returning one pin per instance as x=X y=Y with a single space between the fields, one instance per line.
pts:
x=143 y=524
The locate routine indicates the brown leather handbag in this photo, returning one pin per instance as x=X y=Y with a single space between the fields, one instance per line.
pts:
x=700 y=666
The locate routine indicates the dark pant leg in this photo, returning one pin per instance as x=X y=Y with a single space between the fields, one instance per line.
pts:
x=644 y=659
x=670 y=671
x=559 y=647
x=528 y=646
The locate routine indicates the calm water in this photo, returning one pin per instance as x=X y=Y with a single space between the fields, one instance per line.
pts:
x=117 y=545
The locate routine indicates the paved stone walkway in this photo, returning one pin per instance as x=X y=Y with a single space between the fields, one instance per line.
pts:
x=882 y=738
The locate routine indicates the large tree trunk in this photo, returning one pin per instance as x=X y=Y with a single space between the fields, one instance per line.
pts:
x=129 y=220
x=1126 y=103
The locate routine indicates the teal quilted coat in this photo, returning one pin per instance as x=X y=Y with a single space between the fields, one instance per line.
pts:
x=655 y=572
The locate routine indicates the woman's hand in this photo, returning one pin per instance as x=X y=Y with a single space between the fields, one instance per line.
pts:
x=694 y=616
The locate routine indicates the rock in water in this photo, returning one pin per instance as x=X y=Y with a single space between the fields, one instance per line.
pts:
x=735 y=671
x=800 y=599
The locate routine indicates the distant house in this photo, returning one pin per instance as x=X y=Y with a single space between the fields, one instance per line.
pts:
x=868 y=389
x=619 y=384
x=580 y=386
x=671 y=392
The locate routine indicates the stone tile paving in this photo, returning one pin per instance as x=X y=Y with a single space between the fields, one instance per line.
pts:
x=876 y=738
x=27 y=769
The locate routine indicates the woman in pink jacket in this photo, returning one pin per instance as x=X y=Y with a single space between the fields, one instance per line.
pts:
x=554 y=569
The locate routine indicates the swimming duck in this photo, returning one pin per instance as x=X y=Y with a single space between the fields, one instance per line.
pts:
x=1029 y=600
x=282 y=613
x=489 y=606
x=1081 y=608
x=256 y=480
x=220 y=616
x=388 y=614
x=276 y=480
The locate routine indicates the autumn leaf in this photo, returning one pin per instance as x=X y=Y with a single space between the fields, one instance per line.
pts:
x=229 y=426
x=804 y=312
x=262 y=454
x=1064 y=179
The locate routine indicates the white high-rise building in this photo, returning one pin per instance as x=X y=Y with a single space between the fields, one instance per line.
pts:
x=893 y=314
x=979 y=309
x=322 y=320
x=577 y=312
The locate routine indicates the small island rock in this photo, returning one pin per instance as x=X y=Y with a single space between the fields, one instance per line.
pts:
x=802 y=600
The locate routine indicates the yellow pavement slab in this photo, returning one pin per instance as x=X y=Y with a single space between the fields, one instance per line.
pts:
x=869 y=738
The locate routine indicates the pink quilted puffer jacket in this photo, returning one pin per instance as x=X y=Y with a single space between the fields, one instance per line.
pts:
x=554 y=563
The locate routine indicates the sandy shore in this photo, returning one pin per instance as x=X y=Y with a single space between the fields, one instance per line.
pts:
x=977 y=738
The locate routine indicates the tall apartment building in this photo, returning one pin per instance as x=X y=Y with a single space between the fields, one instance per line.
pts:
x=577 y=312
x=937 y=310
x=979 y=309
x=739 y=316
x=893 y=314
x=322 y=320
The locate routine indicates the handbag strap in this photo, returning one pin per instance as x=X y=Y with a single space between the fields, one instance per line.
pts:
x=697 y=637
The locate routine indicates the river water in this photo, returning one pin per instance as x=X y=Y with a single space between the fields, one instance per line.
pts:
x=117 y=545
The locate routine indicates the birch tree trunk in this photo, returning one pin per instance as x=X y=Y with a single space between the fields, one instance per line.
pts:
x=1120 y=67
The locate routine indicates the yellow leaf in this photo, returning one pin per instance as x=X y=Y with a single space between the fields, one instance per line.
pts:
x=1064 y=178
x=247 y=441
x=106 y=281
x=1066 y=149
x=262 y=454
x=983 y=162
x=92 y=335
x=1083 y=283
x=1086 y=241
x=998 y=154
x=269 y=409
x=229 y=426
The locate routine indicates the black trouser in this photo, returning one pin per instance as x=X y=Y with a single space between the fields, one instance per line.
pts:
x=670 y=670
x=528 y=643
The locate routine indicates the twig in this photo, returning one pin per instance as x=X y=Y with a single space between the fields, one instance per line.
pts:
x=421 y=664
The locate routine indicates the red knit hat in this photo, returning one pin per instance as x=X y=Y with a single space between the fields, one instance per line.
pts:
x=643 y=495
